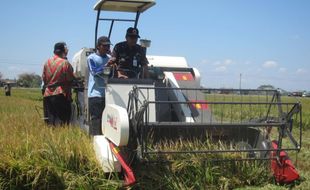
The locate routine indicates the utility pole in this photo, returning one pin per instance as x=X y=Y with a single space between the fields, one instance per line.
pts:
x=240 y=81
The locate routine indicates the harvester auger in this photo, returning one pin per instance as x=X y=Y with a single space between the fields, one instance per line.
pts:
x=145 y=118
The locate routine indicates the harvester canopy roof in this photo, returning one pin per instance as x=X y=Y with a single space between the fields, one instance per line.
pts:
x=124 y=5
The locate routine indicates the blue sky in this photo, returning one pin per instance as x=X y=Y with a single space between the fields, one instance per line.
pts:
x=266 y=41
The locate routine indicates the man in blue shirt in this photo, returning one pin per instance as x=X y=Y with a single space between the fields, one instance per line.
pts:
x=96 y=96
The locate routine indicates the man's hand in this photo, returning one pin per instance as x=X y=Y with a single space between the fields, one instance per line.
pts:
x=111 y=62
x=121 y=76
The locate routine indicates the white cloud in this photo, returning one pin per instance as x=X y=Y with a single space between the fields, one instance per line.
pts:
x=228 y=62
x=225 y=62
x=217 y=63
x=270 y=64
x=282 y=70
x=301 y=71
x=221 y=69
x=13 y=68
x=18 y=69
x=247 y=63
x=204 y=61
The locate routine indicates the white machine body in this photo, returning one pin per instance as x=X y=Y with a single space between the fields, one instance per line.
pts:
x=79 y=62
x=166 y=61
x=118 y=94
x=104 y=155
x=115 y=124
x=115 y=119
x=183 y=111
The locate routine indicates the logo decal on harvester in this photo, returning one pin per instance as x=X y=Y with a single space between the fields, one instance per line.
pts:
x=200 y=104
x=112 y=121
x=185 y=76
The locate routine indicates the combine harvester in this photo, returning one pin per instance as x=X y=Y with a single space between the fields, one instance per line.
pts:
x=170 y=106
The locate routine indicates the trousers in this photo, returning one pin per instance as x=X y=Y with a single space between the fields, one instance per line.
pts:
x=57 y=110
x=96 y=106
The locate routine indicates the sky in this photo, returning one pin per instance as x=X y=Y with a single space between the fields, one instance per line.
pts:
x=257 y=42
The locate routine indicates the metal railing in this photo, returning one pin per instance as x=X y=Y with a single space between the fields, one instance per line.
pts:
x=249 y=116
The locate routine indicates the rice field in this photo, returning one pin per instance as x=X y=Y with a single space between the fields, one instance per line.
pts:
x=34 y=156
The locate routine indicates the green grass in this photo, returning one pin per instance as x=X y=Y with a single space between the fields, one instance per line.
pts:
x=34 y=156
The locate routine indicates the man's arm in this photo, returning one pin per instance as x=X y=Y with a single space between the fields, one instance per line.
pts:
x=113 y=61
x=145 y=72
x=69 y=73
x=93 y=68
x=44 y=74
x=144 y=63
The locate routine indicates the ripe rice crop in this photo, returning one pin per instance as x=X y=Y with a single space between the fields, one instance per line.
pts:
x=34 y=156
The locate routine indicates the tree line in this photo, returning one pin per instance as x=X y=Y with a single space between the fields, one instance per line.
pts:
x=27 y=80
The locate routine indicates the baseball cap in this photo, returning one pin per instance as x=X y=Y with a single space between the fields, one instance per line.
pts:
x=132 y=32
x=60 y=47
x=103 y=40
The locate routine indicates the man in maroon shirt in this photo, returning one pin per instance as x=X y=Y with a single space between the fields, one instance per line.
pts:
x=58 y=77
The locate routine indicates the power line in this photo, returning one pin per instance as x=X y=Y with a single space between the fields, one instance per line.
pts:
x=14 y=61
x=35 y=64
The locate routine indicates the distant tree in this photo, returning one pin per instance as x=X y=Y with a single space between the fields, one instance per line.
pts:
x=1 y=83
x=266 y=87
x=29 y=80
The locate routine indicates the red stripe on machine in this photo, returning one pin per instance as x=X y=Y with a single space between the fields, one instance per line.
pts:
x=183 y=76
x=200 y=104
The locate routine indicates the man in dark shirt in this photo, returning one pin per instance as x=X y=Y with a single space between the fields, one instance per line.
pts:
x=129 y=58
